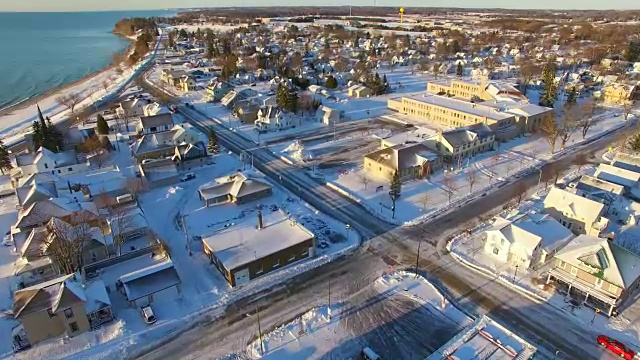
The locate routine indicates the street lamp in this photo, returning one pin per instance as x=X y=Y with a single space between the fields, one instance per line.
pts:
x=515 y=273
x=539 y=177
x=348 y=227
x=418 y=258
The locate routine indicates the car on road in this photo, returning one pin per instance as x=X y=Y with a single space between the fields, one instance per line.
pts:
x=148 y=315
x=187 y=177
x=616 y=347
x=368 y=354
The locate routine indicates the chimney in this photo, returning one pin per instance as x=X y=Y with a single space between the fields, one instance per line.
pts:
x=259 y=220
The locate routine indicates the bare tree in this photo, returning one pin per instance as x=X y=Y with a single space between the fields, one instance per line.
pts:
x=63 y=100
x=67 y=240
x=296 y=62
x=425 y=200
x=73 y=99
x=448 y=187
x=365 y=180
x=105 y=84
x=472 y=177
x=569 y=125
x=341 y=64
x=121 y=222
x=627 y=107
x=134 y=186
x=551 y=131
x=520 y=191
x=437 y=70
x=581 y=160
x=528 y=70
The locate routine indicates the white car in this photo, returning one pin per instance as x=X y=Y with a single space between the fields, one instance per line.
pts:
x=148 y=315
x=7 y=240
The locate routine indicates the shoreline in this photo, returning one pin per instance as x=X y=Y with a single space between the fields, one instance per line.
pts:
x=31 y=101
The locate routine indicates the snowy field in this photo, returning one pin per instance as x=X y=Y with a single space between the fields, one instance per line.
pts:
x=423 y=323
x=469 y=250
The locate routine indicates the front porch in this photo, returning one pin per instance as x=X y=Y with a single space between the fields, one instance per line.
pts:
x=582 y=292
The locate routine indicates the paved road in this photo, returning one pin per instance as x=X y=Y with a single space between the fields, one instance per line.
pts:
x=540 y=323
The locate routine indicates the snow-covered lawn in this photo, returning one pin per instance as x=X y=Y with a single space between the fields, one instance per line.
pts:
x=324 y=332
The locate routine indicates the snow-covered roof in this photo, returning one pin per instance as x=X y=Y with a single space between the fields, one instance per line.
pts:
x=462 y=106
x=236 y=185
x=149 y=280
x=97 y=297
x=626 y=161
x=626 y=178
x=531 y=230
x=592 y=254
x=55 y=294
x=243 y=243
x=580 y=207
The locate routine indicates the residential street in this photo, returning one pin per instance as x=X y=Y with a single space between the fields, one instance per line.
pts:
x=539 y=323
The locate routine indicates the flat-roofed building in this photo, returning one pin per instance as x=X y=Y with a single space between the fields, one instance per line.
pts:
x=250 y=249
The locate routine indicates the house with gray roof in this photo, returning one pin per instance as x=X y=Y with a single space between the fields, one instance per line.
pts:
x=155 y=123
x=237 y=188
x=596 y=272
x=46 y=161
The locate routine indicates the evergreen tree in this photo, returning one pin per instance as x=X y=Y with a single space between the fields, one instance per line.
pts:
x=212 y=146
x=332 y=83
x=101 y=124
x=54 y=138
x=572 y=96
x=459 y=69
x=37 y=134
x=5 y=161
x=395 y=192
x=550 y=91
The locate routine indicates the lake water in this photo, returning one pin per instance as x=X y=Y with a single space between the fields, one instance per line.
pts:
x=41 y=51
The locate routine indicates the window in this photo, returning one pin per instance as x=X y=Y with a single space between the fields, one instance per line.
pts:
x=259 y=270
x=599 y=282
x=563 y=265
x=574 y=270
x=59 y=171
x=501 y=241
x=69 y=169
x=613 y=288
x=292 y=257
x=276 y=263
x=46 y=166
x=74 y=326
x=496 y=251
x=68 y=313
x=304 y=253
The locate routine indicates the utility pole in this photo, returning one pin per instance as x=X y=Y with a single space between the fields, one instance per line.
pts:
x=418 y=258
x=260 y=331
x=329 y=308
x=186 y=234
x=515 y=273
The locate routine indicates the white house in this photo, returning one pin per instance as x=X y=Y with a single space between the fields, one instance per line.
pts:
x=605 y=192
x=271 y=118
x=329 y=116
x=623 y=177
x=526 y=239
x=153 y=109
x=46 y=161
x=155 y=124
x=577 y=213
x=131 y=108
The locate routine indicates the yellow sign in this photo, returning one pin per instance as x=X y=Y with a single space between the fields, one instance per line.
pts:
x=401 y=10
x=597 y=311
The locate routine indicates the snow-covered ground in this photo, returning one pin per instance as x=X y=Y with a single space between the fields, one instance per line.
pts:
x=325 y=332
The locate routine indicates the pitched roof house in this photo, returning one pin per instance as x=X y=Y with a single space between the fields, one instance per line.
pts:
x=410 y=161
x=596 y=271
x=577 y=213
x=56 y=307
x=237 y=188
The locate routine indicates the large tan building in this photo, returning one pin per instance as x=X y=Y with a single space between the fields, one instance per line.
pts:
x=474 y=90
x=506 y=119
x=619 y=93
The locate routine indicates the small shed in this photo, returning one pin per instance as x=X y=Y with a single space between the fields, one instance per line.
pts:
x=142 y=285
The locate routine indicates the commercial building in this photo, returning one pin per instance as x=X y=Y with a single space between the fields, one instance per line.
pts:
x=250 y=249
x=474 y=90
x=411 y=161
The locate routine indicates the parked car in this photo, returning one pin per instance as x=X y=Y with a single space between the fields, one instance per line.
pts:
x=616 y=347
x=148 y=315
x=6 y=241
x=187 y=177
x=368 y=354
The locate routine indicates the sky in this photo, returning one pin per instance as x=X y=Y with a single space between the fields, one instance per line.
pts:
x=104 y=5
